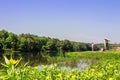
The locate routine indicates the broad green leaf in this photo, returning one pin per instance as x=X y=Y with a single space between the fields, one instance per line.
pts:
x=4 y=65
x=6 y=60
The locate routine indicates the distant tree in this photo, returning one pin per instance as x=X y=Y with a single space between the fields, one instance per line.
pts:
x=27 y=42
x=23 y=44
x=33 y=43
x=83 y=47
x=3 y=36
x=43 y=41
x=76 y=46
x=99 y=46
x=12 y=41
x=67 y=46
x=51 y=47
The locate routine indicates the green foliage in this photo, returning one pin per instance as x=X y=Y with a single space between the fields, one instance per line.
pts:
x=107 y=68
x=33 y=43
x=10 y=71
x=12 y=41
x=3 y=36
x=1 y=46
x=67 y=46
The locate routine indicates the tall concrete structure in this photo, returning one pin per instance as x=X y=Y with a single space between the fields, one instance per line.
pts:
x=92 y=46
x=106 y=44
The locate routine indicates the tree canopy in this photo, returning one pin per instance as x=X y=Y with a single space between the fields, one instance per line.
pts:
x=33 y=43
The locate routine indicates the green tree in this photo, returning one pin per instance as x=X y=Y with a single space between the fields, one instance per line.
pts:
x=67 y=46
x=26 y=42
x=42 y=43
x=3 y=36
x=12 y=41
x=83 y=47
x=50 y=47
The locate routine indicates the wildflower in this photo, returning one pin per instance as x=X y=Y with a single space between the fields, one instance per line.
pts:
x=44 y=67
x=87 y=76
x=28 y=67
x=93 y=70
x=73 y=77
x=73 y=70
x=100 y=74
x=67 y=76
x=59 y=75
x=23 y=70
x=13 y=61
x=51 y=67
x=35 y=68
x=111 y=79
x=48 y=77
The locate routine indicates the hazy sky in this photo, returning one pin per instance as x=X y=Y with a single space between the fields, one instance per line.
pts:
x=76 y=20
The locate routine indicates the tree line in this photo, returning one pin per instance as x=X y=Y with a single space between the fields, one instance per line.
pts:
x=34 y=43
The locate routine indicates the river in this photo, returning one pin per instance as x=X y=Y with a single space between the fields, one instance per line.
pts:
x=38 y=60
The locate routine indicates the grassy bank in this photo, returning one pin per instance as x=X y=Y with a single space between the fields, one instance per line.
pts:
x=86 y=55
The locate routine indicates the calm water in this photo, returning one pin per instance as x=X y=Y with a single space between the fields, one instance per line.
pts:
x=78 y=64
x=36 y=59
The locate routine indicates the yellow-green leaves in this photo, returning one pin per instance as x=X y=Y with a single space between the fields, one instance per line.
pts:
x=104 y=70
x=6 y=60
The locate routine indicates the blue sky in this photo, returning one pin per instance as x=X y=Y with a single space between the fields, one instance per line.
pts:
x=76 y=20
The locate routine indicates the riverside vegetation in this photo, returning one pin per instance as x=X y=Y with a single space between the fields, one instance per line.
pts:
x=33 y=43
x=106 y=68
x=46 y=50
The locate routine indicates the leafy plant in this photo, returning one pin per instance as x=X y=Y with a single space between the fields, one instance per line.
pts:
x=10 y=67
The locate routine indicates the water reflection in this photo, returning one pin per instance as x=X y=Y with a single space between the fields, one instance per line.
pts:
x=80 y=65
x=35 y=59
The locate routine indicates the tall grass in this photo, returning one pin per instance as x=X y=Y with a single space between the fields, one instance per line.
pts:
x=86 y=55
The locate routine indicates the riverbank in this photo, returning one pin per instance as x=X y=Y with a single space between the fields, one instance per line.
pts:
x=86 y=55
